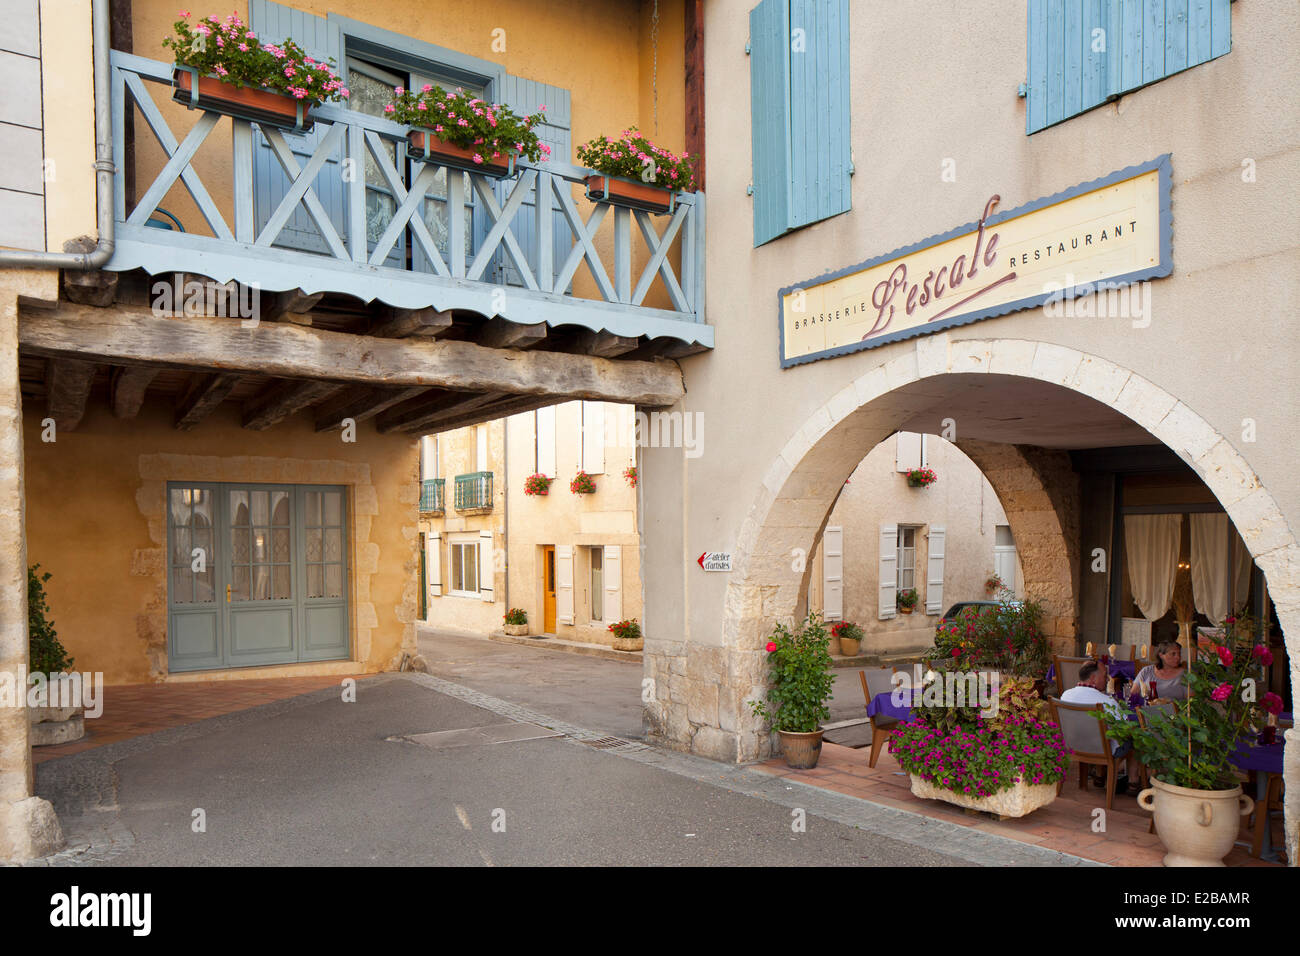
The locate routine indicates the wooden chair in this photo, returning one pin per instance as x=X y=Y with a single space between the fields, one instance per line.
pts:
x=1272 y=801
x=1067 y=672
x=1085 y=735
x=878 y=680
x=1125 y=652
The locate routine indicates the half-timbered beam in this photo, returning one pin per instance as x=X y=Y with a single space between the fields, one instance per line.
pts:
x=497 y=333
x=290 y=306
x=287 y=398
x=360 y=404
x=415 y=415
x=67 y=384
x=399 y=323
x=124 y=336
x=205 y=392
x=461 y=415
x=128 y=386
x=605 y=344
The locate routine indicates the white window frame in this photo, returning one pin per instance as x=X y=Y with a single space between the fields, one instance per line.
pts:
x=597 y=587
x=903 y=550
x=456 y=568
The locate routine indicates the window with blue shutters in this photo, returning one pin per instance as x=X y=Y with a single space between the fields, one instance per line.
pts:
x=799 y=99
x=1083 y=53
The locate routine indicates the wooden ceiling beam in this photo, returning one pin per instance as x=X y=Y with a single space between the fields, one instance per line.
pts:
x=282 y=400
x=462 y=415
x=497 y=333
x=605 y=344
x=414 y=416
x=293 y=305
x=362 y=403
x=67 y=388
x=204 y=393
x=399 y=323
x=129 y=383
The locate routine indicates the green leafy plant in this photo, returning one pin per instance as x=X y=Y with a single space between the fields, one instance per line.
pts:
x=921 y=477
x=632 y=156
x=537 y=484
x=907 y=597
x=993 y=582
x=492 y=130
x=1193 y=746
x=800 y=678
x=1006 y=637
x=47 y=655
x=847 y=629
x=582 y=484
x=234 y=54
x=631 y=475
x=516 y=616
x=628 y=630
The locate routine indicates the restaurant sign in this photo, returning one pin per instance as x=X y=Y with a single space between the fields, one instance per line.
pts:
x=1098 y=235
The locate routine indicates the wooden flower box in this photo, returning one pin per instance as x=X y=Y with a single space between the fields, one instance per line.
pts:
x=630 y=193
x=264 y=107
x=427 y=146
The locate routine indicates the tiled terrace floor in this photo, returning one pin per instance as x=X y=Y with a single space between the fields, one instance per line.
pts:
x=1064 y=825
x=134 y=709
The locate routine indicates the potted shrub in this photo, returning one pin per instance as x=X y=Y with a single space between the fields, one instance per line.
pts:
x=632 y=171
x=224 y=67
x=1009 y=764
x=464 y=132
x=993 y=584
x=1008 y=638
x=907 y=600
x=516 y=622
x=800 y=682
x=582 y=484
x=537 y=484
x=630 y=475
x=627 y=635
x=850 y=637
x=921 y=477
x=1195 y=793
x=58 y=715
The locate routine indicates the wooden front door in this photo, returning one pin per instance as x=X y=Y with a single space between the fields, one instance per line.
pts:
x=548 y=589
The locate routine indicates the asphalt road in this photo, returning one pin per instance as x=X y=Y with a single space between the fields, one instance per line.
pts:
x=323 y=783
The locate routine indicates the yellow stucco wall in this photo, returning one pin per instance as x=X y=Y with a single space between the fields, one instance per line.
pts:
x=95 y=521
x=599 y=50
x=68 y=95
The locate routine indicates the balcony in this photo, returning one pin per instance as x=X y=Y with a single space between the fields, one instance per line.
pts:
x=646 y=301
x=474 y=492
x=431 y=496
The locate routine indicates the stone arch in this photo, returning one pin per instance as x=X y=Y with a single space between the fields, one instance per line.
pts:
x=800 y=484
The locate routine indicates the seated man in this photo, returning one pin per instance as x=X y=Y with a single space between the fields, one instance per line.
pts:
x=1091 y=690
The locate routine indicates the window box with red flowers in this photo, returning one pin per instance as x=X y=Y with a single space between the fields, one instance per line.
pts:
x=633 y=172
x=627 y=635
x=583 y=484
x=631 y=476
x=461 y=131
x=921 y=477
x=224 y=67
x=538 y=485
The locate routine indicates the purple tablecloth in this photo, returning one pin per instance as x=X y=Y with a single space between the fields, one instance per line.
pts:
x=882 y=705
x=1261 y=759
x=1124 y=669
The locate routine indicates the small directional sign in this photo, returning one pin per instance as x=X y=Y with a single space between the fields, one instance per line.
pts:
x=715 y=560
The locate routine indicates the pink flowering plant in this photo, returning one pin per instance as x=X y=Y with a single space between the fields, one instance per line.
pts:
x=799 y=679
x=1006 y=637
x=234 y=54
x=537 y=484
x=582 y=484
x=632 y=156
x=493 y=131
x=1193 y=746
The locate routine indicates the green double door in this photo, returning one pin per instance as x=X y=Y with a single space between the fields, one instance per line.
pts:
x=257 y=574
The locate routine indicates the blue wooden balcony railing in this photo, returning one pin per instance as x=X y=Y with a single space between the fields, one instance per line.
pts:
x=431 y=495
x=452 y=275
x=474 y=491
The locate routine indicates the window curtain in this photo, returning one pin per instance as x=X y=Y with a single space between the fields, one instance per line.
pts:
x=1209 y=565
x=1242 y=563
x=1151 y=545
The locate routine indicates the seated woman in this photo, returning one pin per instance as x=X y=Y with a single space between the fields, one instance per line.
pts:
x=1167 y=673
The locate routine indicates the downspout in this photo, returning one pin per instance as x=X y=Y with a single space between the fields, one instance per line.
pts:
x=505 y=481
x=104 y=168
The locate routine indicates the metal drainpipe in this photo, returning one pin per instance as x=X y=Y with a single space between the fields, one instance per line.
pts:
x=505 y=487
x=104 y=168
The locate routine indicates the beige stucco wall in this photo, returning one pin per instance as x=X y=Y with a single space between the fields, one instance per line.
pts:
x=68 y=95
x=962 y=502
x=96 y=521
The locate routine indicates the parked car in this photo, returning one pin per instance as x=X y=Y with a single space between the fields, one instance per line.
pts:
x=955 y=611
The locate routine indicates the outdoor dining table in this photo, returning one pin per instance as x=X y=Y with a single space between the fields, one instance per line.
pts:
x=883 y=705
x=1263 y=760
x=1124 y=669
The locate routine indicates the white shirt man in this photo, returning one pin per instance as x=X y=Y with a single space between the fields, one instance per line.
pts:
x=1090 y=690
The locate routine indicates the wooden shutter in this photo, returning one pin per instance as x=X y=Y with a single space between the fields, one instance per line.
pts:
x=612 y=575
x=433 y=546
x=925 y=451
x=322 y=40
x=769 y=93
x=525 y=97
x=819 y=110
x=833 y=573
x=908 y=454
x=546 y=441
x=934 y=571
x=564 y=583
x=1070 y=70
x=888 y=584
x=593 y=438
x=486 y=567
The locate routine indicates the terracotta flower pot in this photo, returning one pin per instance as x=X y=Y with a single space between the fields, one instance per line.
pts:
x=905 y=610
x=425 y=144
x=1197 y=827
x=264 y=107
x=516 y=630
x=849 y=646
x=801 y=751
x=628 y=192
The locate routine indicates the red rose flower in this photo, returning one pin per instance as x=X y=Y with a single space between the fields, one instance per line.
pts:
x=1222 y=692
x=1271 y=703
x=1225 y=656
x=771 y=646
x=956 y=652
x=1264 y=654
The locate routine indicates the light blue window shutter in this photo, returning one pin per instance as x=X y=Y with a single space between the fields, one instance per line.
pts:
x=322 y=40
x=819 y=110
x=1085 y=52
x=769 y=71
x=525 y=97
